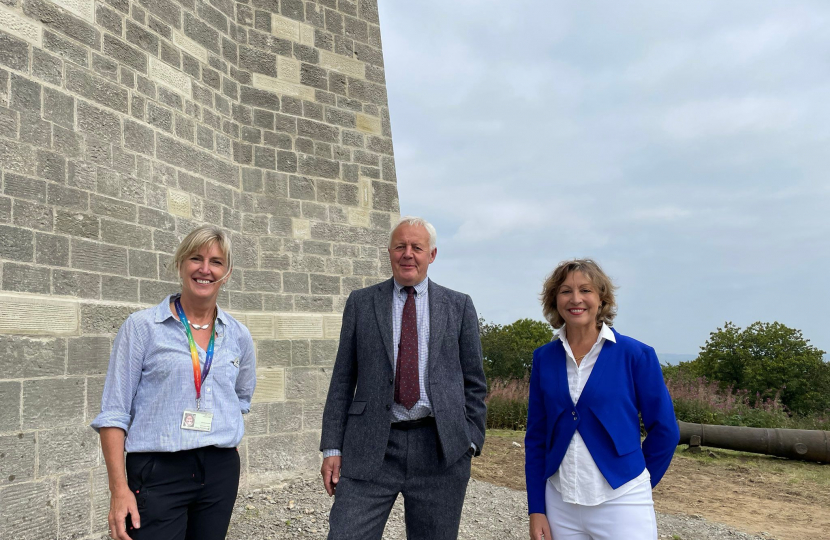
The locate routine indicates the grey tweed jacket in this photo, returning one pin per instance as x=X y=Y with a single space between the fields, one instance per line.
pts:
x=357 y=416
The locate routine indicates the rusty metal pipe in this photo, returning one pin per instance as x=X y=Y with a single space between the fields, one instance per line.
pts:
x=801 y=444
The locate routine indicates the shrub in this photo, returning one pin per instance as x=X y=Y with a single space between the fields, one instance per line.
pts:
x=768 y=359
x=508 y=350
x=701 y=401
x=507 y=403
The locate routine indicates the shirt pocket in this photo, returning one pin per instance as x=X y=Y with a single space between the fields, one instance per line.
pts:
x=227 y=362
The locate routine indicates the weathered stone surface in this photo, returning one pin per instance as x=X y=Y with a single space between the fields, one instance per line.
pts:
x=17 y=463
x=385 y=196
x=95 y=88
x=23 y=357
x=25 y=278
x=273 y=353
x=123 y=125
x=125 y=53
x=97 y=257
x=52 y=250
x=88 y=355
x=285 y=417
x=29 y=510
x=67 y=449
x=10 y=406
x=42 y=411
x=74 y=491
x=19 y=315
x=20 y=27
x=323 y=352
x=94 y=392
x=256 y=421
x=270 y=385
x=170 y=77
x=103 y=319
x=53 y=17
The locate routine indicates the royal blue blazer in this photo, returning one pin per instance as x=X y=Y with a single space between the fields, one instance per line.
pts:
x=626 y=380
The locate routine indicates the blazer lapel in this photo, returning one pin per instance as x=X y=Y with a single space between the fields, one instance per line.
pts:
x=383 y=314
x=437 y=323
x=595 y=380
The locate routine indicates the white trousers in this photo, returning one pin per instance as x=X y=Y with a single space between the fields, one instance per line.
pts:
x=628 y=517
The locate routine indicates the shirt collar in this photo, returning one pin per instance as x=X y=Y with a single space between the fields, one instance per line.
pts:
x=163 y=312
x=420 y=289
x=604 y=333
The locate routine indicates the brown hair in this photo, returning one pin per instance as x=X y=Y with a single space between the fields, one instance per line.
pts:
x=605 y=288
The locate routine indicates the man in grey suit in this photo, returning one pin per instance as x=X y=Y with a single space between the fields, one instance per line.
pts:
x=405 y=410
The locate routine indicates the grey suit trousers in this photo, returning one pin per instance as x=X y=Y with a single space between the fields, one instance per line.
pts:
x=433 y=494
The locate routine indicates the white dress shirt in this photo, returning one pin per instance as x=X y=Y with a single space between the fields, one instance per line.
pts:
x=578 y=479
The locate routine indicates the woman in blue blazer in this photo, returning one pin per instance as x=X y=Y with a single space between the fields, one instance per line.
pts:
x=588 y=476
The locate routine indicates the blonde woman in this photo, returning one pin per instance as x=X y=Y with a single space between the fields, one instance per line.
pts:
x=180 y=377
x=588 y=476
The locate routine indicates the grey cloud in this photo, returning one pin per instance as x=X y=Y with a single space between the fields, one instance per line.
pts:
x=680 y=144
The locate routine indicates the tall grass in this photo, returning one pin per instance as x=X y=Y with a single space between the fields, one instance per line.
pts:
x=695 y=399
x=507 y=403
x=702 y=401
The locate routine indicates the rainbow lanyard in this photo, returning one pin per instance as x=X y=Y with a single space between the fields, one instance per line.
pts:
x=198 y=376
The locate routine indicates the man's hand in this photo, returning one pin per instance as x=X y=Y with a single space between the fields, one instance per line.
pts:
x=539 y=527
x=122 y=502
x=331 y=473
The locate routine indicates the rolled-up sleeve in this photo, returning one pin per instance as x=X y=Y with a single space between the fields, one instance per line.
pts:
x=123 y=375
x=246 y=381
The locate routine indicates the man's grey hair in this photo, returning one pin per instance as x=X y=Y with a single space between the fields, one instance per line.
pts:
x=415 y=221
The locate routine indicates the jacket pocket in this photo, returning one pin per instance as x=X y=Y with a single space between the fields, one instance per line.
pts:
x=357 y=407
x=623 y=430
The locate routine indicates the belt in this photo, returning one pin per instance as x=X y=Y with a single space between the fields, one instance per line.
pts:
x=414 y=424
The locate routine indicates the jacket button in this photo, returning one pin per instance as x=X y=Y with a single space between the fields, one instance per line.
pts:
x=391 y=380
x=388 y=407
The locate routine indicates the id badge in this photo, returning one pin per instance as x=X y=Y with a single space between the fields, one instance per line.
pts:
x=197 y=420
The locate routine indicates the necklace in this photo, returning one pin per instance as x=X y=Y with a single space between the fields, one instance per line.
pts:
x=203 y=326
x=578 y=358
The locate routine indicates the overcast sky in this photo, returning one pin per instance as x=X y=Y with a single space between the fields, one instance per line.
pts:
x=683 y=145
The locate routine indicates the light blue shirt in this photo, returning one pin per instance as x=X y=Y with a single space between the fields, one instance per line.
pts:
x=150 y=383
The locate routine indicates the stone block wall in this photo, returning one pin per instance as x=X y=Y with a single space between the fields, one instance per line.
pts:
x=123 y=125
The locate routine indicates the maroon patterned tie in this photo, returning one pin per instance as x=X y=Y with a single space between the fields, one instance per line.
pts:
x=407 y=389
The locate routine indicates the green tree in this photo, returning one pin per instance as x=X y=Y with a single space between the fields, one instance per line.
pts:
x=508 y=350
x=766 y=358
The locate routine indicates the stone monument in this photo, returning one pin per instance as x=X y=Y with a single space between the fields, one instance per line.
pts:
x=123 y=125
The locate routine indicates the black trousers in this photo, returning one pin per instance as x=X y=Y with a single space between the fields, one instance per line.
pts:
x=433 y=493
x=187 y=495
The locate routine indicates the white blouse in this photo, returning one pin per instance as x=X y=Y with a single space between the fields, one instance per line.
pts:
x=578 y=479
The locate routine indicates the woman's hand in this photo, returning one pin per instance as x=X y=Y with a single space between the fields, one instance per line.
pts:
x=539 y=527
x=122 y=502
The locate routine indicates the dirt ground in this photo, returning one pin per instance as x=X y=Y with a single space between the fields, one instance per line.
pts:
x=757 y=494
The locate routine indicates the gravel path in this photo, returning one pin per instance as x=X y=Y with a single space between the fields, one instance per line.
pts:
x=299 y=509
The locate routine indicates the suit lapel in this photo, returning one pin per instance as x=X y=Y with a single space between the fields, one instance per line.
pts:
x=383 y=314
x=437 y=323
